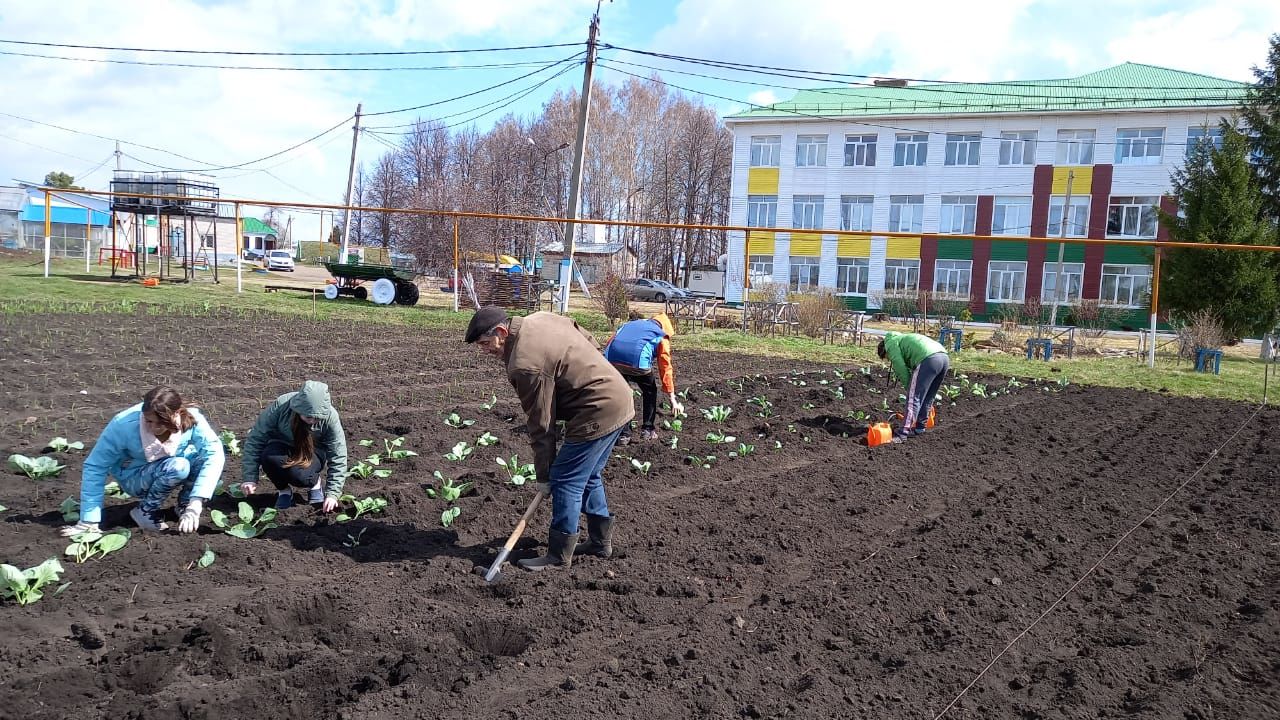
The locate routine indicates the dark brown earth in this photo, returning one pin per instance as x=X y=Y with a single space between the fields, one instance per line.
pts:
x=814 y=578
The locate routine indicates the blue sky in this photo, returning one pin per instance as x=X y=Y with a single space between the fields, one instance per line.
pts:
x=229 y=117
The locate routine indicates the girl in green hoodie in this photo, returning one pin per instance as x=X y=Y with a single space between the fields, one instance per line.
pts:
x=296 y=437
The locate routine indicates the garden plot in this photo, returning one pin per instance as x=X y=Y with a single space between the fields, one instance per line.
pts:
x=769 y=564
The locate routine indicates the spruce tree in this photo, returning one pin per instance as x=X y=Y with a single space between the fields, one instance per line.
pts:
x=1261 y=114
x=1220 y=203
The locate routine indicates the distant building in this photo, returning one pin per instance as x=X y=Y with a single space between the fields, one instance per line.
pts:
x=593 y=260
x=948 y=164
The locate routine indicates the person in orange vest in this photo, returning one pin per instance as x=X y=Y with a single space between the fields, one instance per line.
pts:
x=641 y=351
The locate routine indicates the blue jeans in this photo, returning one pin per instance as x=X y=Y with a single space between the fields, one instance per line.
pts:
x=576 y=484
x=154 y=482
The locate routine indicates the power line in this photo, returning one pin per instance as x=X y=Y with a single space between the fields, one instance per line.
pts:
x=785 y=111
x=290 y=68
x=289 y=54
x=747 y=67
x=571 y=59
x=1059 y=101
x=46 y=149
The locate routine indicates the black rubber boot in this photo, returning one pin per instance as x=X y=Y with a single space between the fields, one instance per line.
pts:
x=559 y=553
x=600 y=537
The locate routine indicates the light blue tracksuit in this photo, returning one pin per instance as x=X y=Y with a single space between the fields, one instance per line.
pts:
x=196 y=465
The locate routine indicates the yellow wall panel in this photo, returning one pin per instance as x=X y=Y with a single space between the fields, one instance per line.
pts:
x=900 y=248
x=1081 y=185
x=858 y=246
x=807 y=244
x=760 y=243
x=762 y=181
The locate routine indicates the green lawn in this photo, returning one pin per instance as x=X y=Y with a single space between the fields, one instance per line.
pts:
x=23 y=289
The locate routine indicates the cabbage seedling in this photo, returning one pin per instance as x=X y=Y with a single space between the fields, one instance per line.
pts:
x=455 y=420
x=364 y=471
x=743 y=450
x=393 y=452
x=248 y=525
x=517 y=474
x=3 y=508
x=61 y=444
x=229 y=442
x=493 y=400
x=674 y=425
x=642 y=467
x=88 y=545
x=719 y=437
x=460 y=452
x=704 y=462
x=717 y=413
x=675 y=442
x=36 y=468
x=487 y=439
x=448 y=516
x=70 y=509
x=24 y=586
x=361 y=507
x=115 y=492
x=353 y=541
x=207 y=557
x=366 y=443
x=449 y=491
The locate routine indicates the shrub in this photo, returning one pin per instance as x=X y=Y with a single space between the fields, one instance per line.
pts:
x=1199 y=329
x=610 y=295
x=900 y=305
x=812 y=307
x=947 y=305
x=767 y=292
x=1094 y=318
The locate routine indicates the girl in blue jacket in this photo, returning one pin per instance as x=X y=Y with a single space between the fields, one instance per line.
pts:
x=151 y=449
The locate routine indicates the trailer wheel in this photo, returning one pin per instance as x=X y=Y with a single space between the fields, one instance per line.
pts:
x=360 y=293
x=384 y=291
x=406 y=294
x=331 y=292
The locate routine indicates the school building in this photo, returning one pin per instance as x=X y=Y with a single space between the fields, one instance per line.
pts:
x=950 y=164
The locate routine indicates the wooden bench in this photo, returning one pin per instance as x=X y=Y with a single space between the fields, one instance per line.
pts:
x=846 y=323
x=769 y=318
x=691 y=313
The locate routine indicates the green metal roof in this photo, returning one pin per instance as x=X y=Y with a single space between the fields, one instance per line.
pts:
x=1123 y=87
x=254 y=226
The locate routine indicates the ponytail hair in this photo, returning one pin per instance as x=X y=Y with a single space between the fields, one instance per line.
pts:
x=169 y=408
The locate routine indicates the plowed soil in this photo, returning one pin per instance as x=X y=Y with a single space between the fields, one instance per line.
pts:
x=807 y=576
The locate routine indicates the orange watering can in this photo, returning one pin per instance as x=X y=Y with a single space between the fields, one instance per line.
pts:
x=879 y=434
x=929 y=421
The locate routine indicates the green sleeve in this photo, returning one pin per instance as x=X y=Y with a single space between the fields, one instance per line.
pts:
x=335 y=449
x=893 y=349
x=251 y=451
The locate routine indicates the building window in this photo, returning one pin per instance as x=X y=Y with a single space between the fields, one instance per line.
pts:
x=811 y=151
x=806 y=212
x=952 y=277
x=1074 y=275
x=906 y=213
x=207 y=242
x=962 y=148
x=1125 y=285
x=1006 y=281
x=1018 y=148
x=855 y=212
x=1012 y=216
x=859 y=150
x=851 y=275
x=1132 y=217
x=959 y=214
x=910 y=149
x=761 y=268
x=1075 y=147
x=1139 y=146
x=901 y=276
x=762 y=210
x=804 y=273
x=765 y=150
x=1203 y=134
x=1078 y=218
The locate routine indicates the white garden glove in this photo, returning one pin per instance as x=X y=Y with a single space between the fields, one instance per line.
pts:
x=677 y=409
x=248 y=488
x=189 y=520
x=80 y=527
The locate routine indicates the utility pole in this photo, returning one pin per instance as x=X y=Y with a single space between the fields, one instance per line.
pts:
x=575 y=179
x=1059 y=294
x=351 y=178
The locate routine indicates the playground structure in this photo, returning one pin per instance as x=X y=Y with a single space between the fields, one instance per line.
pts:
x=180 y=205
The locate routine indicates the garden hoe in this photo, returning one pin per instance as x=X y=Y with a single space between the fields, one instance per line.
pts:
x=495 y=570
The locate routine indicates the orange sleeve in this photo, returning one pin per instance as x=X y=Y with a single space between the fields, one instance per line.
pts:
x=666 y=372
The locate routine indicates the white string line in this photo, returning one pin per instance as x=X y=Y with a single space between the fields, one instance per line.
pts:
x=1095 y=566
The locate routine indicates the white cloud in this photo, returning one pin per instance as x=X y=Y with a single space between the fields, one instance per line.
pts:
x=763 y=97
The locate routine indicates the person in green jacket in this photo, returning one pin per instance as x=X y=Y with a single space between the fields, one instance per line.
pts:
x=920 y=364
x=296 y=437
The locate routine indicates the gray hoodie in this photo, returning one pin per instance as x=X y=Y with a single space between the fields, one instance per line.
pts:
x=276 y=423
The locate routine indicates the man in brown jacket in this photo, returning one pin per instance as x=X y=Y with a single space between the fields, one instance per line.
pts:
x=560 y=375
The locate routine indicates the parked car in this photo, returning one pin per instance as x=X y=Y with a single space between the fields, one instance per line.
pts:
x=653 y=290
x=280 y=260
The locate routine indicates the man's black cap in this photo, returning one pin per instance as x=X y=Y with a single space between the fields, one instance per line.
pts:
x=485 y=319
